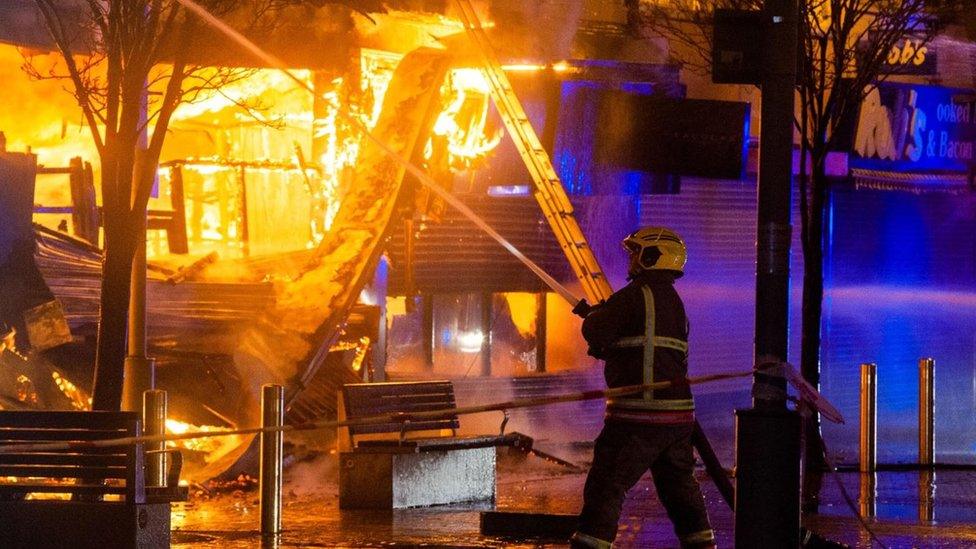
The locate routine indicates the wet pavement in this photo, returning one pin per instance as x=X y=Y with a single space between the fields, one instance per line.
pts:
x=946 y=516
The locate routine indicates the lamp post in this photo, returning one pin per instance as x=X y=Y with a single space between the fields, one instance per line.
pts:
x=767 y=503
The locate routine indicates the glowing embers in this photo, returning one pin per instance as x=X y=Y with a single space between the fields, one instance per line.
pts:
x=361 y=349
x=79 y=400
x=461 y=135
x=25 y=390
x=212 y=448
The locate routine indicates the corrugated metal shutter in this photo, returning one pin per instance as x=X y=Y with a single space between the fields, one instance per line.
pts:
x=454 y=256
x=717 y=219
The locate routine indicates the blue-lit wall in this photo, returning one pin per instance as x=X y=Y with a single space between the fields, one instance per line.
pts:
x=606 y=198
x=900 y=273
x=901 y=277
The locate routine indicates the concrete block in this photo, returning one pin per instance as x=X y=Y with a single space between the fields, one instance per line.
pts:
x=379 y=480
x=84 y=525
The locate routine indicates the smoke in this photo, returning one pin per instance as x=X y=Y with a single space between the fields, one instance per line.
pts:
x=536 y=30
x=317 y=476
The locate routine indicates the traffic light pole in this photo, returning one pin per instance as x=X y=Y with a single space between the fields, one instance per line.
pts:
x=767 y=503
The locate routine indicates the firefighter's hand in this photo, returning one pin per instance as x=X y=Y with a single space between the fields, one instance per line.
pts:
x=582 y=309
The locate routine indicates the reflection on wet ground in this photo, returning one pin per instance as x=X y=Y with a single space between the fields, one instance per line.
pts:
x=907 y=508
x=311 y=517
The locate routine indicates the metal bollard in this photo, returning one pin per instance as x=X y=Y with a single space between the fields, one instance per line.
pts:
x=926 y=411
x=869 y=417
x=272 y=448
x=926 y=495
x=868 y=495
x=154 y=423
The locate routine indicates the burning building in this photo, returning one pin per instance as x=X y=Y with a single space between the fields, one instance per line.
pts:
x=271 y=212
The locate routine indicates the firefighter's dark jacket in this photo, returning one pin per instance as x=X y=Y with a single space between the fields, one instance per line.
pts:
x=622 y=316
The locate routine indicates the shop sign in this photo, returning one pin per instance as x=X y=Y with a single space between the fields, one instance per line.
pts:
x=917 y=129
x=913 y=54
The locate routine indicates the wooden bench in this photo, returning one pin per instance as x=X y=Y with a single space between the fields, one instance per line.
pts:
x=414 y=461
x=103 y=500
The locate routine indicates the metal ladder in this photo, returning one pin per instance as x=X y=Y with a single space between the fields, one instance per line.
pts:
x=549 y=191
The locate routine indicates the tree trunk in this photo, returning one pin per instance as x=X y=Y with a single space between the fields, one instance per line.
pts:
x=812 y=313
x=112 y=326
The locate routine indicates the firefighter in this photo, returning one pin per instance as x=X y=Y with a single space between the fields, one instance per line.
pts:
x=641 y=332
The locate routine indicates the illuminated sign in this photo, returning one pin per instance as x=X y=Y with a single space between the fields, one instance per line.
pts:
x=911 y=55
x=916 y=129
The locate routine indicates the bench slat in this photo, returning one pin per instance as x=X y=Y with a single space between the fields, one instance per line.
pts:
x=14 y=436
x=395 y=427
x=384 y=407
x=55 y=471
x=402 y=387
x=367 y=399
x=62 y=458
x=370 y=406
x=69 y=420
x=25 y=488
x=63 y=471
x=441 y=443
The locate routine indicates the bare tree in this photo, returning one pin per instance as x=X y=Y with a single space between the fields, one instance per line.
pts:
x=844 y=45
x=130 y=64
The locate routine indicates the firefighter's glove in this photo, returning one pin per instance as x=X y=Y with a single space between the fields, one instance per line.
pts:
x=582 y=309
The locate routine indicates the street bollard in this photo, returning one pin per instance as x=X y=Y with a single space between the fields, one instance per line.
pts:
x=868 y=495
x=869 y=418
x=926 y=495
x=154 y=423
x=926 y=411
x=272 y=448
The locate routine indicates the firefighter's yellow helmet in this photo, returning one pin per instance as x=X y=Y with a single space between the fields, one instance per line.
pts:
x=657 y=249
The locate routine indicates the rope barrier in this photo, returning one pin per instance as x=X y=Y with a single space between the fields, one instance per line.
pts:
x=381 y=418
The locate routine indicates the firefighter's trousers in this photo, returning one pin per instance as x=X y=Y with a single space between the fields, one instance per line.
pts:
x=623 y=452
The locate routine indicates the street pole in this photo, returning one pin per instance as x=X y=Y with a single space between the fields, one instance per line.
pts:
x=767 y=503
x=139 y=370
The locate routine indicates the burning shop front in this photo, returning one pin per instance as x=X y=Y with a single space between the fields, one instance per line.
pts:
x=271 y=214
